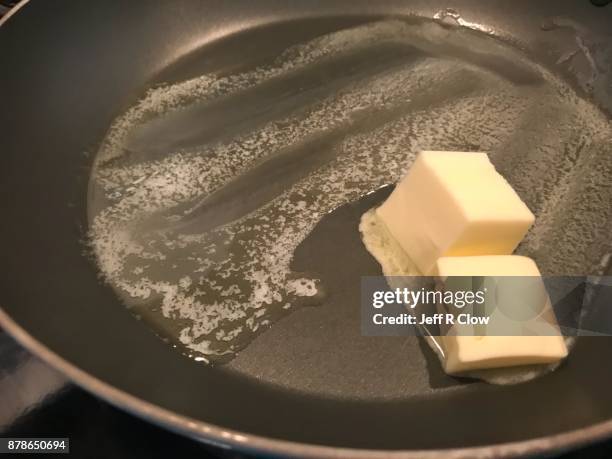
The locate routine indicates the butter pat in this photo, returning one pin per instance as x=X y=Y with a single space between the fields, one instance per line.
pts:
x=466 y=353
x=454 y=204
x=487 y=265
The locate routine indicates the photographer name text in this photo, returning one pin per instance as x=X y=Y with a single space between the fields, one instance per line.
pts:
x=430 y=319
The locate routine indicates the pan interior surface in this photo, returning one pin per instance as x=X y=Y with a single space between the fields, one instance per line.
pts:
x=206 y=193
x=260 y=152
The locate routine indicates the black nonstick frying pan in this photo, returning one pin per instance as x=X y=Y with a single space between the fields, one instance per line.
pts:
x=311 y=385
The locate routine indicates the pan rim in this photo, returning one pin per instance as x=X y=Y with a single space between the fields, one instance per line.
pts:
x=223 y=437
x=13 y=11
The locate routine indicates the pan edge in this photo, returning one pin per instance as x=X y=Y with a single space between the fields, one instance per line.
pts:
x=221 y=437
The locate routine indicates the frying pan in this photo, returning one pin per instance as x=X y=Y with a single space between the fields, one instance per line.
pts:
x=69 y=68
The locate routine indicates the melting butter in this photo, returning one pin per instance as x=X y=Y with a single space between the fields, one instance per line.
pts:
x=395 y=263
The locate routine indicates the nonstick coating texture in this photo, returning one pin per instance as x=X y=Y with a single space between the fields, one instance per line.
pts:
x=69 y=68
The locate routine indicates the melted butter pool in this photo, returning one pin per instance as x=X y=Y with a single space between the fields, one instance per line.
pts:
x=203 y=190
